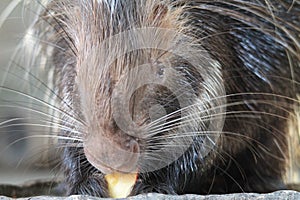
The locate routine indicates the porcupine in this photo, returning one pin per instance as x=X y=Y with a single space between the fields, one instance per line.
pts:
x=236 y=59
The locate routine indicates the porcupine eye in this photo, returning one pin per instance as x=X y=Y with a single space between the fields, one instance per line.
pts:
x=183 y=84
x=160 y=70
x=165 y=100
x=156 y=99
x=178 y=85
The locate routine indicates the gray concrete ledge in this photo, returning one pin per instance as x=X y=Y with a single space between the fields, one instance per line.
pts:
x=279 y=195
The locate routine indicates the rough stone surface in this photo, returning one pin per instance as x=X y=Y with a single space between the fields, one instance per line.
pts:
x=279 y=195
x=51 y=190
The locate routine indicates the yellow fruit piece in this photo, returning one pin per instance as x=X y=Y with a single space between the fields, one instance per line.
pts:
x=120 y=185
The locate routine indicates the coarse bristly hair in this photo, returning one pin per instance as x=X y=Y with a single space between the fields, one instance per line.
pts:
x=208 y=113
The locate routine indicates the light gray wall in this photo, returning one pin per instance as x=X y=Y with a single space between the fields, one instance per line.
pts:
x=18 y=161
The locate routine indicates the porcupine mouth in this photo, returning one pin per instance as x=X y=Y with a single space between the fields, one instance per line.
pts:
x=108 y=157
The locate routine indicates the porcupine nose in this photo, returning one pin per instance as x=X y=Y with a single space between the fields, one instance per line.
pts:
x=108 y=156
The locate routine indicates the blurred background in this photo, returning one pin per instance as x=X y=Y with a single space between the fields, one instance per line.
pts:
x=24 y=154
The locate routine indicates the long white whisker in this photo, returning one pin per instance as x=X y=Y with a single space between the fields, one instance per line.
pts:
x=37 y=112
x=220 y=97
x=40 y=136
x=169 y=124
x=42 y=102
x=42 y=125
